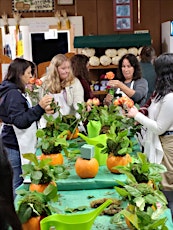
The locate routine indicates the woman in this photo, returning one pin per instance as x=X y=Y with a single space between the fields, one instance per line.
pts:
x=80 y=63
x=63 y=85
x=147 y=56
x=130 y=81
x=158 y=143
x=18 y=117
x=8 y=216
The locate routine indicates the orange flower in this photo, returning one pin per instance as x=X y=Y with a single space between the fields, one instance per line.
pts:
x=110 y=75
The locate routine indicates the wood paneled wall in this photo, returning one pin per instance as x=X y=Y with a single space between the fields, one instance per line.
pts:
x=98 y=16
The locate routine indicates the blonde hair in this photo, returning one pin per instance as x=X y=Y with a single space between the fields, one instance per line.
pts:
x=52 y=82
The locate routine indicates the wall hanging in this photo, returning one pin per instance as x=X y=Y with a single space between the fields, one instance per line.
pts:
x=33 y=5
x=65 y=2
x=123 y=15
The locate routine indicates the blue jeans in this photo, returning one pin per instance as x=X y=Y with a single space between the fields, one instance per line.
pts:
x=15 y=161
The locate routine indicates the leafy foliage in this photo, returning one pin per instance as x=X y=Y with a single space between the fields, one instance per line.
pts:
x=32 y=204
x=117 y=143
x=107 y=115
x=141 y=170
x=146 y=203
x=41 y=172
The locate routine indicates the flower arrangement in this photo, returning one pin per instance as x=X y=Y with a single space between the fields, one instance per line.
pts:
x=124 y=101
x=33 y=89
x=110 y=76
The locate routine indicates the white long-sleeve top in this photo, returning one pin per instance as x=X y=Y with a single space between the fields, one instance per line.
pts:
x=159 y=120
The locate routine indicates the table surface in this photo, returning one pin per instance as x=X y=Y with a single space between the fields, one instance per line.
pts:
x=75 y=192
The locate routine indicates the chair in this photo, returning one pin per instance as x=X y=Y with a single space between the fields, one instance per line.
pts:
x=3 y=60
x=69 y=55
x=42 y=68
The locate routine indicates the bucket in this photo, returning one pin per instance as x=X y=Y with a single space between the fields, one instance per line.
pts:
x=73 y=221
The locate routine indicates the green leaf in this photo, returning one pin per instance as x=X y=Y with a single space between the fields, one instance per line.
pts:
x=131 y=217
x=140 y=203
x=51 y=193
x=133 y=191
x=31 y=157
x=122 y=191
x=24 y=213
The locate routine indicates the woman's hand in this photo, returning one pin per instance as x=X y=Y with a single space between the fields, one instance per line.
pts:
x=49 y=110
x=132 y=112
x=108 y=99
x=45 y=101
x=114 y=83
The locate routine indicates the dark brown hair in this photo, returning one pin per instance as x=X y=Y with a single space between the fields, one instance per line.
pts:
x=78 y=63
x=16 y=69
x=147 y=54
x=133 y=62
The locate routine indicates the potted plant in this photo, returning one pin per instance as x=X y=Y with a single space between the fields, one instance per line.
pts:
x=52 y=139
x=42 y=174
x=32 y=207
x=118 y=147
x=145 y=201
x=142 y=171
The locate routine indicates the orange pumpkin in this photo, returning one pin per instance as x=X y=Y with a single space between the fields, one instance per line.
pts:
x=40 y=187
x=86 y=168
x=74 y=135
x=33 y=223
x=57 y=158
x=113 y=161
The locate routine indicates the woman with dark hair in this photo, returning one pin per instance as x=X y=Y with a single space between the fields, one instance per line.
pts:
x=147 y=57
x=158 y=142
x=129 y=81
x=8 y=216
x=80 y=63
x=18 y=116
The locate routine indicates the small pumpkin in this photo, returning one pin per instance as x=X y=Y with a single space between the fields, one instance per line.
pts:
x=86 y=168
x=33 y=223
x=57 y=158
x=113 y=161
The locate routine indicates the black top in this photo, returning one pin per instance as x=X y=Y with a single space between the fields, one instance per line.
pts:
x=14 y=109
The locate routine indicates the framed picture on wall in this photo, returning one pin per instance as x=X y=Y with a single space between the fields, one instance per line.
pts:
x=123 y=15
x=30 y=5
x=65 y=2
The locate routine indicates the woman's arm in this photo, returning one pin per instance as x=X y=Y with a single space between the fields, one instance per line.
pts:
x=164 y=120
x=18 y=112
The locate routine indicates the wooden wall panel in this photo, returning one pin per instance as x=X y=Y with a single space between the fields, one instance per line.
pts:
x=98 y=16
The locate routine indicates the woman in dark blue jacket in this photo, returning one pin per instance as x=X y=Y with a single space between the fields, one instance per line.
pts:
x=18 y=116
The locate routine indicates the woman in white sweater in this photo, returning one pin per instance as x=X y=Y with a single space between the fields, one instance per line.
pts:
x=60 y=82
x=158 y=143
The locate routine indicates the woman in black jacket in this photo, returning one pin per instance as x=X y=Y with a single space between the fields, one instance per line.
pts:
x=18 y=116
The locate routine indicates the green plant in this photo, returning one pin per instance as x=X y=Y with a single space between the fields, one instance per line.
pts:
x=41 y=172
x=118 y=144
x=33 y=204
x=107 y=115
x=145 y=201
x=142 y=171
x=52 y=138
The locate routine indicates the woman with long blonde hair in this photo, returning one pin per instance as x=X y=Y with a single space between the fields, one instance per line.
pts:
x=63 y=85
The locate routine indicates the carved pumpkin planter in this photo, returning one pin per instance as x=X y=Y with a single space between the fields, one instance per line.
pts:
x=113 y=161
x=56 y=158
x=33 y=223
x=40 y=187
x=86 y=168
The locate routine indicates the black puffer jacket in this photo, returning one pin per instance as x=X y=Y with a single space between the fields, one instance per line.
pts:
x=14 y=109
